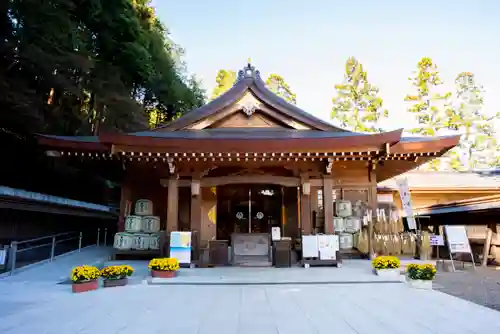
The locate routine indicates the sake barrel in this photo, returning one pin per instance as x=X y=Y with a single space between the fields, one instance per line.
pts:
x=154 y=241
x=343 y=208
x=144 y=207
x=352 y=224
x=123 y=241
x=141 y=241
x=346 y=241
x=338 y=224
x=151 y=224
x=133 y=223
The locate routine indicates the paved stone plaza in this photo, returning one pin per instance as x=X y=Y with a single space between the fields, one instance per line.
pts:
x=34 y=303
x=301 y=309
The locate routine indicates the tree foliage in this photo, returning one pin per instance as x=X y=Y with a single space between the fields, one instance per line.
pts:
x=478 y=143
x=431 y=108
x=78 y=66
x=278 y=86
x=224 y=81
x=357 y=105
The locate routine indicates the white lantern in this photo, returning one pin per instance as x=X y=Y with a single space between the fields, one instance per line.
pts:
x=306 y=188
x=195 y=188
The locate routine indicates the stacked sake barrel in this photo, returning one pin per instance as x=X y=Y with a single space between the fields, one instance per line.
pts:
x=345 y=224
x=141 y=229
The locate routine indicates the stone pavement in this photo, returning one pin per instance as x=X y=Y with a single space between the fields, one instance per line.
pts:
x=33 y=303
x=285 y=309
x=60 y=268
x=352 y=271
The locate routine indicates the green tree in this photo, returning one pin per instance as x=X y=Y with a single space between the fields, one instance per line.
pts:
x=77 y=67
x=278 y=86
x=224 y=81
x=478 y=143
x=431 y=109
x=356 y=105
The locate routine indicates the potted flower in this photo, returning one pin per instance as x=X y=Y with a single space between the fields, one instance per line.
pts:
x=116 y=275
x=85 y=278
x=387 y=266
x=420 y=276
x=164 y=268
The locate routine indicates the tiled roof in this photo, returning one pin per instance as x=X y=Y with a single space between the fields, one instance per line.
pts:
x=486 y=203
x=446 y=180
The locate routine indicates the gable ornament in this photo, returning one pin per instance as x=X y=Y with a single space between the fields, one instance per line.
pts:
x=249 y=108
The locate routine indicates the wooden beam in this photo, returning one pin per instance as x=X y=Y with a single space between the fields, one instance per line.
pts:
x=328 y=203
x=487 y=244
x=173 y=205
x=372 y=195
x=125 y=205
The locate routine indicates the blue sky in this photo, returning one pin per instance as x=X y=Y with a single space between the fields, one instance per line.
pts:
x=308 y=42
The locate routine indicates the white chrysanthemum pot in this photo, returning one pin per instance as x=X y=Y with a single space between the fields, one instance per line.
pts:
x=420 y=284
x=390 y=274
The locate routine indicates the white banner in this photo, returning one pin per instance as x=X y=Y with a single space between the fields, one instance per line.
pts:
x=404 y=194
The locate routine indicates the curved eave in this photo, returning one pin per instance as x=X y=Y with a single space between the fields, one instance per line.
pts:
x=267 y=96
x=363 y=142
x=235 y=93
x=223 y=101
x=71 y=143
x=424 y=145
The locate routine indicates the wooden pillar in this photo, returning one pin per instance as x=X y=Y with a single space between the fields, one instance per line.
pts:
x=125 y=205
x=328 y=203
x=173 y=205
x=487 y=244
x=373 y=206
x=305 y=210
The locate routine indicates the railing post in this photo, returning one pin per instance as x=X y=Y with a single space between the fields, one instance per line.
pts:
x=80 y=242
x=98 y=236
x=12 y=257
x=53 y=249
x=105 y=235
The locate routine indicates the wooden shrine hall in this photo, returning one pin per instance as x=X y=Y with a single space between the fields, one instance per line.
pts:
x=248 y=161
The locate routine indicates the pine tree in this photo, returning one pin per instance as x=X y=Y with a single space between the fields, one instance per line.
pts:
x=278 y=86
x=478 y=142
x=432 y=109
x=357 y=105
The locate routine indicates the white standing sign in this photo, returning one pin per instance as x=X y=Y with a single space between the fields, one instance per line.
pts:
x=404 y=194
x=436 y=240
x=276 y=233
x=180 y=246
x=458 y=242
x=3 y=256
x=457 y=239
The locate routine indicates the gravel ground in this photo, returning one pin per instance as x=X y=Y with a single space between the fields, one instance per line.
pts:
x=481 y=287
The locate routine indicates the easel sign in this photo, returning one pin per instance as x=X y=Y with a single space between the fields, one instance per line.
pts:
x=458 y=242
x=436 y=240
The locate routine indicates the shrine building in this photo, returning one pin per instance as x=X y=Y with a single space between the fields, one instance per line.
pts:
x=248 y=161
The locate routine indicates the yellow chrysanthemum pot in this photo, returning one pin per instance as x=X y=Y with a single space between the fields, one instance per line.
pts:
x=85 y=278
x=420 y=276
x=164 y=268
x=387 y=267
x=116 y=275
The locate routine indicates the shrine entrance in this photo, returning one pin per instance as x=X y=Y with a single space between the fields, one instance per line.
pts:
x=248 y=208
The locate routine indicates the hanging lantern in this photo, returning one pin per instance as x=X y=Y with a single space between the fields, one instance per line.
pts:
x=195 y=188
x=306 y=188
